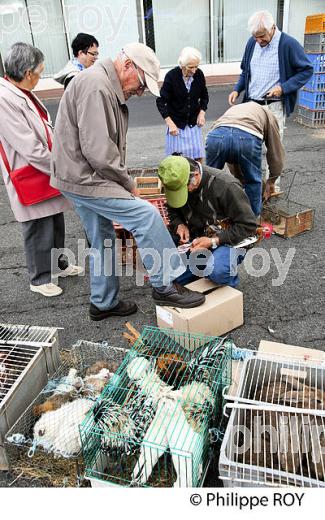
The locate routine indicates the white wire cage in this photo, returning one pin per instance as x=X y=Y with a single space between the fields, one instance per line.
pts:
x=28 y=355
x=276 y=431
x=44 y=441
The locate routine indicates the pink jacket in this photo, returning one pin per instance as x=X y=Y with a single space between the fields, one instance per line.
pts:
x=23 y=137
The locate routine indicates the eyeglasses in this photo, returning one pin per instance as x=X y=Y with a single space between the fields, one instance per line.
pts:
x=142 y=82
x=94 y=54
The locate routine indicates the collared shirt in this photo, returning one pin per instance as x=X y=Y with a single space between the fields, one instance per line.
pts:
x=77 y=64
x=264 y=68
x=188 y=82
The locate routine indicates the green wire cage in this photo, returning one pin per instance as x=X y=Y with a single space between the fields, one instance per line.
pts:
x=151 y=425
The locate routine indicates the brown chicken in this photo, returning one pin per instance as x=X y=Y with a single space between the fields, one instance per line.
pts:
x=171 y=368
x=52 y=403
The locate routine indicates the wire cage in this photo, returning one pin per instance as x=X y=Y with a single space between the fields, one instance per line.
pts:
x=151 y=171
x=276 y=431
x=28 y=355
x=44 y=442
x=151 y=425
x=286 y=211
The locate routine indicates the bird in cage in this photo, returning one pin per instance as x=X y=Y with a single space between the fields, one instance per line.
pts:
x=203 y=366
x=180 y=424
x=171 y=368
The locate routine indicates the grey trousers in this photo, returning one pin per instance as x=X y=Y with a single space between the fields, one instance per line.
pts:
x=40 y=237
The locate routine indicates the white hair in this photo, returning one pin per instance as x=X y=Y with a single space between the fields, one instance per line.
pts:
x=187 y=55
x=259 y=21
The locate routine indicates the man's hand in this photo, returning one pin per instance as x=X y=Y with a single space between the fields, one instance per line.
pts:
x=269 y=189
x=201 y=118
x=183 y=232
x=135 y=192
x=275 y=92
x=232 y=97
x=202 y=243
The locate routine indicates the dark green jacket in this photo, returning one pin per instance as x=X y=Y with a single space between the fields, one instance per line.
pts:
x=219 y=196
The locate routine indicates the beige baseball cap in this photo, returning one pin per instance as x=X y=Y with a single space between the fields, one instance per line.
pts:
x=145 y=58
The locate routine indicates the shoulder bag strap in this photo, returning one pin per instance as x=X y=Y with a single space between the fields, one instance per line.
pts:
x=5 y=158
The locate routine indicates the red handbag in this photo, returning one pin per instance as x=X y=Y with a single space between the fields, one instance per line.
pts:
x=32 y=185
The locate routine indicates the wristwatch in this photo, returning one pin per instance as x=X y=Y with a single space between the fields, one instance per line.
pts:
x=214 y=243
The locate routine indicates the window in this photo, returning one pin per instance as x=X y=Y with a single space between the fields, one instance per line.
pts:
x=181 y=24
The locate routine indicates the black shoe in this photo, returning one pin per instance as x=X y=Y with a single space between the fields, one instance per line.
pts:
x=181 y=297
x=121 y=309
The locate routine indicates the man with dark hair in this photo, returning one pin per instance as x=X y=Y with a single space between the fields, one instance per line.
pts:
x=85 y=52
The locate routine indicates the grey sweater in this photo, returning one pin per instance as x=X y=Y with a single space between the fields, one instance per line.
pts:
x=219 y=196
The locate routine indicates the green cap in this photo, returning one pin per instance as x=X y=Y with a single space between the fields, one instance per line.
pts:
x=174 y=173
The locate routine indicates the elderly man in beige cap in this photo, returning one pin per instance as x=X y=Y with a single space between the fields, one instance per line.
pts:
x=89 y=168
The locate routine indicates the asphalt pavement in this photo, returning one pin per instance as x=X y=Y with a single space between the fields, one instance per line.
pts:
x=283 y=301
x=292 y=312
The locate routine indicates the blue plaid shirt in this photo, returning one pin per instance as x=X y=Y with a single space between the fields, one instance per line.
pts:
x=264 y=68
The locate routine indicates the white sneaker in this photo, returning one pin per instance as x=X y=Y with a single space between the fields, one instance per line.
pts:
x=47 y=289
x=71 y=270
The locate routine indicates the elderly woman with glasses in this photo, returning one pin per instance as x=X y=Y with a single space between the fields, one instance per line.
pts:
x=182 y=103
x=26 y=140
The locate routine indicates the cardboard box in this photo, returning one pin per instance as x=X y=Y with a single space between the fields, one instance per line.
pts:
x=292 y=351
x=221 y=312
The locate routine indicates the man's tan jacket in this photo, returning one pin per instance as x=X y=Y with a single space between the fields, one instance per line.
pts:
x=89 y=146
x=259 y=121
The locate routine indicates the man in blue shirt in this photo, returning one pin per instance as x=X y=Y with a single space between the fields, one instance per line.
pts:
x=85 y=54
x=274 y=67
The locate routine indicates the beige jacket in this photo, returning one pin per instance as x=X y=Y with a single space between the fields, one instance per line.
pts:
x=260 y=121
x=89 y=147
x=23 y=137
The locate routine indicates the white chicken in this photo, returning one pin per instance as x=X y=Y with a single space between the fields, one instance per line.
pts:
x=179 y=424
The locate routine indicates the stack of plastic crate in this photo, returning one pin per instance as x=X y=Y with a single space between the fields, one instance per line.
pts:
x=311 y=110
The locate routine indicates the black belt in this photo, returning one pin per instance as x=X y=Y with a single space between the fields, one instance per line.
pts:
x=265 y=101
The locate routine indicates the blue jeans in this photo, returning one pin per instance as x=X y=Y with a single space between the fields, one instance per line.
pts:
x=143 y=220
x=222 y=266
x=232 y=145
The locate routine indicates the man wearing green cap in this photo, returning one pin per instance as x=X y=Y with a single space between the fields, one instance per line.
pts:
x=201 y=196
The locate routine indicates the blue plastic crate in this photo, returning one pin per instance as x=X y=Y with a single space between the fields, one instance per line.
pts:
x=318 y=61
x=316 y=82
x=312 y=100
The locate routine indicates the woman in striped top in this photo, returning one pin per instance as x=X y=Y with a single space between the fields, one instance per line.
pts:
x=182 y=103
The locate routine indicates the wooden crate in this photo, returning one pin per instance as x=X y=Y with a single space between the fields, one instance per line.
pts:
x=148 y=186
x=315 y=24
x=288 y=218
x=128 y=253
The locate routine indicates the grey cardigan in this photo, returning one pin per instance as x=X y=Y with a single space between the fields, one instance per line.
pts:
x=23 y=137
x=89 y=147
